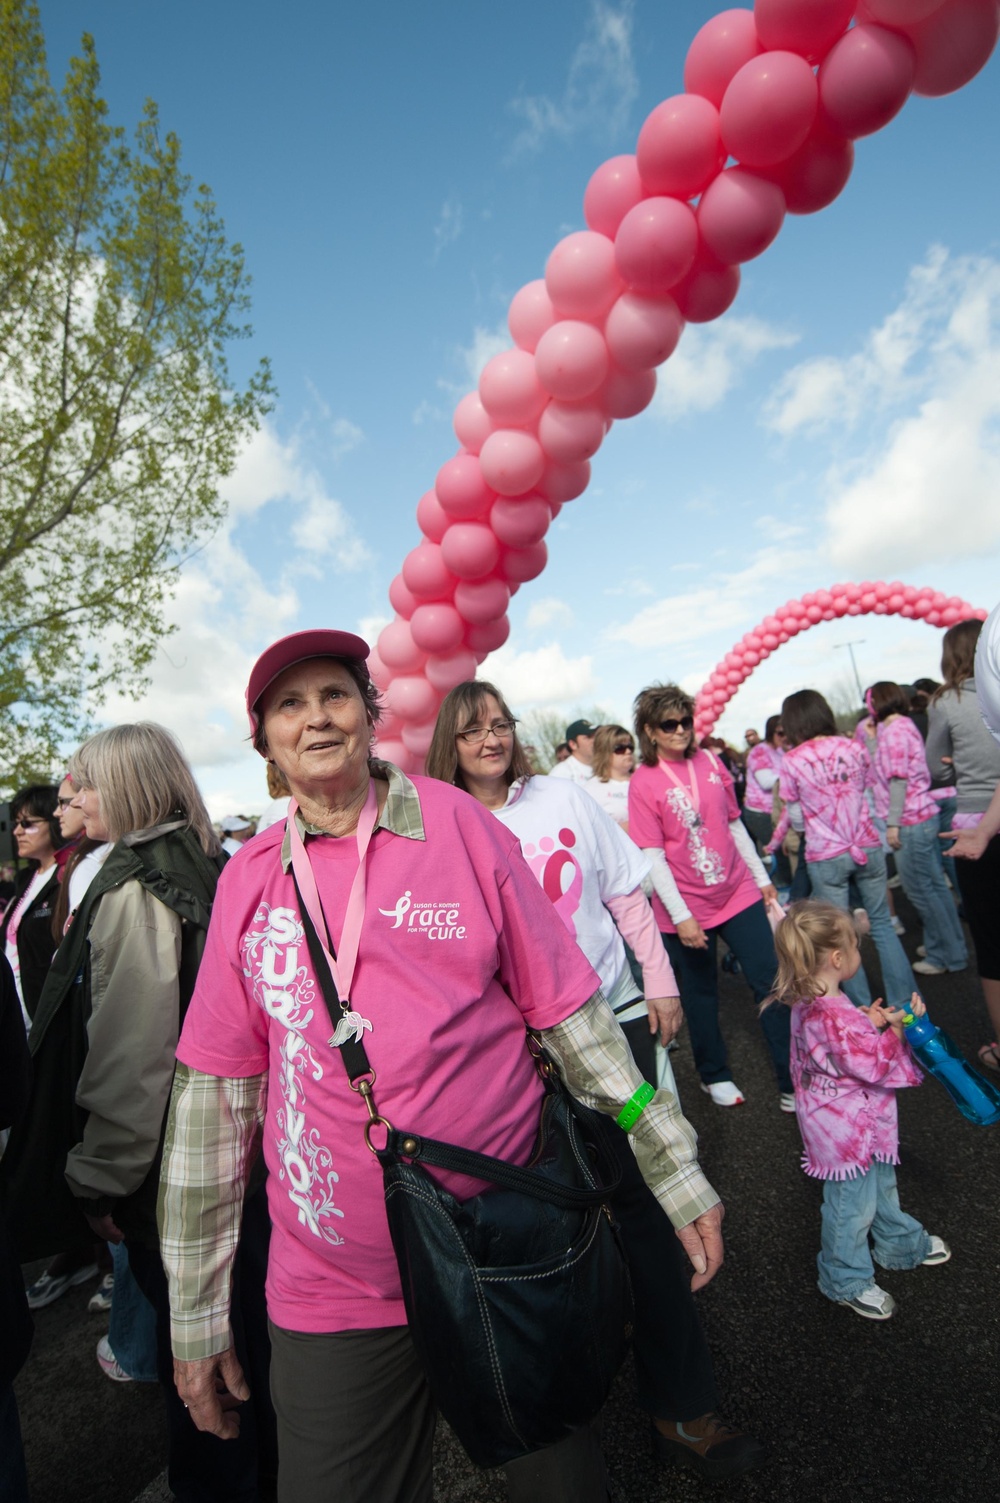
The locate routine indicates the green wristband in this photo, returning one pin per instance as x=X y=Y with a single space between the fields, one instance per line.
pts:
x=633 y=1110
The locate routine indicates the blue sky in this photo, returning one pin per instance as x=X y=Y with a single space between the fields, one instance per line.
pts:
x=395 y=174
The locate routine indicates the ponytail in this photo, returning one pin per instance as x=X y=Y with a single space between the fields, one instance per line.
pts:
x=808 y=932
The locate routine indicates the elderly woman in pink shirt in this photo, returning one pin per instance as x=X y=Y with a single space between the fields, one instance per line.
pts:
x=828 y=776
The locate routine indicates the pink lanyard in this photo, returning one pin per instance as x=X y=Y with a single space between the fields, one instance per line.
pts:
x=693 y=788
x=342 y=967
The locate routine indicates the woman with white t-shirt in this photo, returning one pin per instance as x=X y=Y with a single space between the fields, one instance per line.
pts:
x=614 y=759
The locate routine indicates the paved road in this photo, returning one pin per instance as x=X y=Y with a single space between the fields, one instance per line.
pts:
x=853 y=1410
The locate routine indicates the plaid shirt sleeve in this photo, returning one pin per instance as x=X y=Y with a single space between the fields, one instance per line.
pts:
x=597 y=1065
x=212 y=1126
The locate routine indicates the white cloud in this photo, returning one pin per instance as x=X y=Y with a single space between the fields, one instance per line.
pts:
x=547 y=612
x=710 y=360
x=485 y=344
x=601 y=85
x=448 y=227
x=543 y=676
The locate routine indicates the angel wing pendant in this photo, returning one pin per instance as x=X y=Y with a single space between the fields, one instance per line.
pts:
x=352 y=1024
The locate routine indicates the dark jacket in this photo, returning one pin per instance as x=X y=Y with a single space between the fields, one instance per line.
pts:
x=35 y=944
x=173 y=869
x=15 y=1073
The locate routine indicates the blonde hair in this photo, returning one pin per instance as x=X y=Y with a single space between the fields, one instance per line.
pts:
x=604 y=749
x=142 y=778
x=277 y=784
x=808 y=933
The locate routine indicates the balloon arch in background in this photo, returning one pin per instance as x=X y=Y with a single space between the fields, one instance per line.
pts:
x=795 y=616
x=774 y=101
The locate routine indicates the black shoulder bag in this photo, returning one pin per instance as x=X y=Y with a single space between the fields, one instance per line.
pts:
x=518 y=1299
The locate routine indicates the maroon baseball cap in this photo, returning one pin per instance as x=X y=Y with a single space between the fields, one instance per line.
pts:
x=295 y=649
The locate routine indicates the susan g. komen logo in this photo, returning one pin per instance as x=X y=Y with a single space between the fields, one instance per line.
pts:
x=432 y=920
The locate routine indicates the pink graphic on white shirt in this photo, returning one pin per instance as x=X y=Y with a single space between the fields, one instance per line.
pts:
x=552 y=865
x=287 y=993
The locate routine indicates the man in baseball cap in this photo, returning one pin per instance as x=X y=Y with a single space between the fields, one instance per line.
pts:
x=578 y=766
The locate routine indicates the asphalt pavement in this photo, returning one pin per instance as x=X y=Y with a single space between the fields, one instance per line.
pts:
x=907 y=1409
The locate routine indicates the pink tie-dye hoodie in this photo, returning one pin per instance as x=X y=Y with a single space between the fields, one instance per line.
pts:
x=846 y=1073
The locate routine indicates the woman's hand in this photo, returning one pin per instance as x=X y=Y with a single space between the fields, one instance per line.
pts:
x=893 y=837
x=769 y=894
x=665 y=1017
x=969 y=844
x=210 y=1389
x=701 y=1239
x=690 y=933
x=104 y=1229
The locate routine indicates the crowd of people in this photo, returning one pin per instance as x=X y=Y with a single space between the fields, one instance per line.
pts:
x=189 y=1143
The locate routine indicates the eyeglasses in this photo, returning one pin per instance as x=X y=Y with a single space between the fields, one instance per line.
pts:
x=626 y=746
x=502 y=729
x=64 y=803
x=27 y=825
x=686 y=723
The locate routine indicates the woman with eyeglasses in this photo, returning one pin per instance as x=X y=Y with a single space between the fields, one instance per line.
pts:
x=26 y=930
x=614 y=759
x=708 y=880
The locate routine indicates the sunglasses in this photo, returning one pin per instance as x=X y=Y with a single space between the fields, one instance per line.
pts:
x=686 y=723
x=27 y=825
x=626 y=746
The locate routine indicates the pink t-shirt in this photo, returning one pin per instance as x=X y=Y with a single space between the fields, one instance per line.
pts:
x=687 y=816
x=828 y=777
x=457 y=957
x=761 y=758
x=901 y=755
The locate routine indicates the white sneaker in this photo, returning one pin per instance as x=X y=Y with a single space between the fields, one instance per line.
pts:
x=873 y=1303
x=897 y=924
x=724 y=1093
x=786 y=1101
x=109 y=1364
x=862 y=922
x=922 y=951
x=928 y=968
x=939 y=1252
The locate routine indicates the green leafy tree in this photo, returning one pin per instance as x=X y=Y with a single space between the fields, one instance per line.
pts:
x=119 y=298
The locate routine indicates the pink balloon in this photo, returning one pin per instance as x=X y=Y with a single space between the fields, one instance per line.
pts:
x=397 y=648
x=425 y=573
x=865 y=80
x=530 y=314
x=487 y=636
x=471 y=422
x=470 y=551
x=510 y=391
x=769 y=108
x=571 y=360
x=417 y=738
x=432 y=519
x=740 y=215
x=391 y=749
x=627 y=393
x=461 y=487
x=522 y=564
x=613 y=189
x=656 y=245
x=708 y=289
x=412 y=699
x=680 y=148
x=380 y=673
x=519 y=523
x=580 y=275
x=718 y=52
x=809 y=29
x=512 y=461
x=455 y=668
x=897 y=12
x=642 y=332
x=482 y=600
x=814 y=175
x=437 y=627
x=402 y=599
x=568 y=432
x=564 y=482
x=953 y=44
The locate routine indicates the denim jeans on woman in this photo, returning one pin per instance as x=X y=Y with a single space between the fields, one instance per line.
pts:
x=852 y=1208
x=918 y=862
x=831 y=880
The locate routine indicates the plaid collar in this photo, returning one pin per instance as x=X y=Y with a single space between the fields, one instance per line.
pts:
x=401 y=815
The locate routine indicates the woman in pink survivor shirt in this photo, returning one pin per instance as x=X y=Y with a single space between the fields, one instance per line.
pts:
x=827 y=775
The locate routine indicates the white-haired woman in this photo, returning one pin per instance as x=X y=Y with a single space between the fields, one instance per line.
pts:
x=104 y=1035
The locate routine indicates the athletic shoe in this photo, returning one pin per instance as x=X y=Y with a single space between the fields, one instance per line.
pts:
x=100 y=1301
x=109 y=1364
x=786 y=1101
x=862 y=922
x=897 y=924
x=873 y=1303
x=928 y=968
x=707 y=1446
x=724 y=1093
x=940 y=1253
x=46 y=1289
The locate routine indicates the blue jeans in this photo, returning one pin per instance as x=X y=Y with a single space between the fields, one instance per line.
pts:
x=831 y=880
x=851 y=1209
x=132 y=1330
x=748 y=935
x=947 y=808
x=918 y=862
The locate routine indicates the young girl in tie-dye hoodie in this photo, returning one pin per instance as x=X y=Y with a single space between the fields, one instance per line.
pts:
x=847 y=1063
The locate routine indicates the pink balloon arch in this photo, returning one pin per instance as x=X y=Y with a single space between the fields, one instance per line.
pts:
x=774 y=101
x=867 y=599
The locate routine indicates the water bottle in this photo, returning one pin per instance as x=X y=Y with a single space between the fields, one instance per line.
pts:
x=975 y=1097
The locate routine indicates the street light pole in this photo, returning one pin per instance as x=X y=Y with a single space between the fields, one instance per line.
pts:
x=857 y=677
